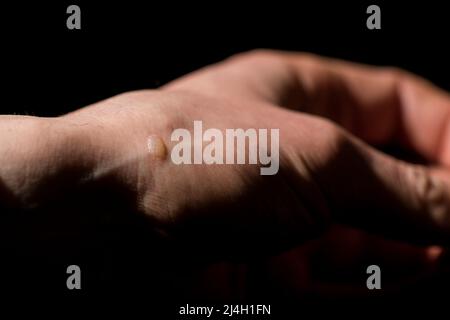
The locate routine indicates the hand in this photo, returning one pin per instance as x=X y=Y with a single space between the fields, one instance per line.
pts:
x=329 y=113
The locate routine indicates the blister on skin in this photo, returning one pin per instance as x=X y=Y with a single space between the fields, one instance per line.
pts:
x=156 y=147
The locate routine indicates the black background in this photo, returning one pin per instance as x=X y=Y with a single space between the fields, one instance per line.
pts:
x=48 y=70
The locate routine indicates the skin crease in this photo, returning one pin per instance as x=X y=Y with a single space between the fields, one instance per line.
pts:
x=331 y=115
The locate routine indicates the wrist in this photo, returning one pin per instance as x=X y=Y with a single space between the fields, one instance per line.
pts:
x=39 y=158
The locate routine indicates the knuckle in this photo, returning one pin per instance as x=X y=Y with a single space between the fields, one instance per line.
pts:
x=319 y=139
x=333 y=136
x=419 y=178
x=256 y=56
x=430 y=194
x=394 y=72
x=396 y=75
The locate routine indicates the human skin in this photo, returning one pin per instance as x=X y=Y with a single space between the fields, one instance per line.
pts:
x=331 y=116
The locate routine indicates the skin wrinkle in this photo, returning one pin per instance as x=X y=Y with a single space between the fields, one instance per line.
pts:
x=150 y=191
x=150 y=199
x=319 y=215
x=437 y=201
x=428 y=195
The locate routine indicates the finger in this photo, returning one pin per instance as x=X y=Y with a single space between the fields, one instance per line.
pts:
x=369 y=189
x=346 y=252
x=379 y=105
x=335 y=265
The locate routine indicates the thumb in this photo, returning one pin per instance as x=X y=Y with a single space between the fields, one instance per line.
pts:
x=372 y=190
